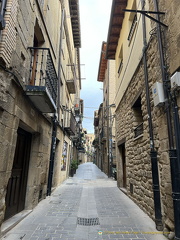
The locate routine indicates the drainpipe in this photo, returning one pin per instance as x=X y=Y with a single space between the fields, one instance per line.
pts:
x=52 y=155
x=59 y=60
x=175 y=170
x=108 y=123
x=153 y=152
x=174 y=153
x=54 y=119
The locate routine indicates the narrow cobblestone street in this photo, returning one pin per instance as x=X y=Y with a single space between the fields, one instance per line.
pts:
x=87 y=206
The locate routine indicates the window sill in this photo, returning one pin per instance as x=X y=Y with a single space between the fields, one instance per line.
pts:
x=140 y=136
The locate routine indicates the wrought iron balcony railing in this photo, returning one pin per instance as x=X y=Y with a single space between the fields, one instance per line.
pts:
x=132 y=29
x=42 y=87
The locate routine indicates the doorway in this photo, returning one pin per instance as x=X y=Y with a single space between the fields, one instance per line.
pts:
x=16 y=188
x=122 y=151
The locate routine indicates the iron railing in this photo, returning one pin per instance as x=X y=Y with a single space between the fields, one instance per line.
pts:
x=42 y=70
x=132 y=29
x=138 y=130
x=120 y=67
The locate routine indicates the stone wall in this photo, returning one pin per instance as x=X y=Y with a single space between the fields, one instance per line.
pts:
x=137 y=150
x=17 y=112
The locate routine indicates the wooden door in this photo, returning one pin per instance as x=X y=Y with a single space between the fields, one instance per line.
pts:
x=16 y=189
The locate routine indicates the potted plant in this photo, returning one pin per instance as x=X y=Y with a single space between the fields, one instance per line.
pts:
x=73 y=167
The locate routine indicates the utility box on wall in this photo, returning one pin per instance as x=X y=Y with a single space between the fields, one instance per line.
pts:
x=175 y=80
x=158 y=94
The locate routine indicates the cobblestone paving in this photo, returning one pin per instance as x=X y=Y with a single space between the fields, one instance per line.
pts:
x=87 y=206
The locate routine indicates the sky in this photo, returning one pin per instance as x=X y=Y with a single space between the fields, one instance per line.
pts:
x=94 y=21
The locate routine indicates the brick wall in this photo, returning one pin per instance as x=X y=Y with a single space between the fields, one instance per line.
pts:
x=8 y=35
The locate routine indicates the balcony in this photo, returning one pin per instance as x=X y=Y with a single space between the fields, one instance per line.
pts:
x=71 y=86
x=103 y=135
x=74 y=12
x=76 y=137
x=133 y=27
x=77 y=106
x=42 y=88
x=71 y=78
x=70 y=124
x=95 y=142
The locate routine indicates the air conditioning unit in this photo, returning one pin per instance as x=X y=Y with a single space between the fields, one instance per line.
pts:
x=175 y=80
x=158 y=94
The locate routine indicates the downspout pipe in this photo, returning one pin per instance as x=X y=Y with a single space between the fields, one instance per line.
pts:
x=174 y=153
x=108 y=120
x=52 y=155
x=59 y=60
x=175 y=170
x=56 y=115
x=153 y=152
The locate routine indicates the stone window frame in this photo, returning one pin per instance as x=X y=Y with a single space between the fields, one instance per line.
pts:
x=136 y=107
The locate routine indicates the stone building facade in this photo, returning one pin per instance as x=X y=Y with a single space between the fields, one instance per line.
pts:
x=89 y=149
x=106 y=75
x=39 y=99
x=98 y=157
x=147 y=128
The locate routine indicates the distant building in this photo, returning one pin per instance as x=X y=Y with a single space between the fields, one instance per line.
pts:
x=106 y=123
x=89 y=149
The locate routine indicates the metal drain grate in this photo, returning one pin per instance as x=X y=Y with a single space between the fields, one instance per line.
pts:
x=88 y=221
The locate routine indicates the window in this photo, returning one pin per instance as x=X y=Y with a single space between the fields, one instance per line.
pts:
x=63 y=43
x=120 y=61
x=133 y=27
x=3 y=6
x=41 y=2
x=138 y=118
x=2 y=9
x=132 y=22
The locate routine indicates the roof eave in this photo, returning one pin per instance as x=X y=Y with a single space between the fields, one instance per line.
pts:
x=115 y=25
x=102 y=63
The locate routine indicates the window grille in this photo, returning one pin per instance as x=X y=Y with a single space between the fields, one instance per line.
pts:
x=120 y=68
x=132 y=29
x=138 y=130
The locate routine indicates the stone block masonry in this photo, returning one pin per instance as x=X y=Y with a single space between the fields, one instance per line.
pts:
x=137 y=150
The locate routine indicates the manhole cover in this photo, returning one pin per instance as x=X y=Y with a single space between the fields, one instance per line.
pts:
x=88 y=221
